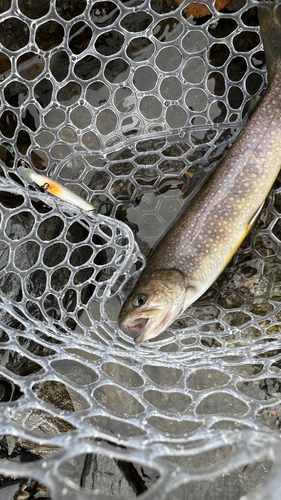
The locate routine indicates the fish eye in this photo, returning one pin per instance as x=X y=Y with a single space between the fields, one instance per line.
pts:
x=139 y=299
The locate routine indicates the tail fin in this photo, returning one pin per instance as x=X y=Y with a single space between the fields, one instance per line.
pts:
x=269 y=13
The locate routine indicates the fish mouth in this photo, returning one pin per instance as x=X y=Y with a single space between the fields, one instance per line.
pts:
x=149 y=323
x=141 y=322
x=135 y=325
x=158 y=324
x=153 y=327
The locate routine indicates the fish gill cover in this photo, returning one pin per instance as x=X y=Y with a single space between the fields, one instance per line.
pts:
x=130 y=104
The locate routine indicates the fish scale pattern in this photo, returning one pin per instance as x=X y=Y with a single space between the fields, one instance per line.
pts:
x=131 y=104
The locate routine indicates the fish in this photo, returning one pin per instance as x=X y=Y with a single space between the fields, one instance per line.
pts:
x=54 y=188
x=202 y=241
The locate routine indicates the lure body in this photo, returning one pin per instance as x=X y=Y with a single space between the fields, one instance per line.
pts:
x=54 y=188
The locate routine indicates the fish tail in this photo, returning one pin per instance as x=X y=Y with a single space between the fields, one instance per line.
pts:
x=270 y=24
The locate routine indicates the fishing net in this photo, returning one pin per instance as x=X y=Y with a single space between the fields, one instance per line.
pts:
x=130 y=104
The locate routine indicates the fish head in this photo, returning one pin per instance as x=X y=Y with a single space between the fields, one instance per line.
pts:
x=157 y=299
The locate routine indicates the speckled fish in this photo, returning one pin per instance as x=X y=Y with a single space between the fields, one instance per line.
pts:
x=197 y=248
x=54 y=188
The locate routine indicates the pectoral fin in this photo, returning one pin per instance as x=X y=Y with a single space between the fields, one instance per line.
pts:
x=252 y=221
x=255 y=216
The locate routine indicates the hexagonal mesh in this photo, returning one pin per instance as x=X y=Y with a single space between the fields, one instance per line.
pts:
x=131 y=104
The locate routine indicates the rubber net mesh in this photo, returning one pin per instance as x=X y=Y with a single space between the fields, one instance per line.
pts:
x=131 y=104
